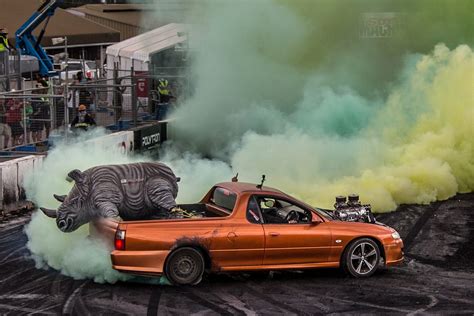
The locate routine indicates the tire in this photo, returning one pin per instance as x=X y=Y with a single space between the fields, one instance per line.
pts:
x=185 y=266
x=361 y=258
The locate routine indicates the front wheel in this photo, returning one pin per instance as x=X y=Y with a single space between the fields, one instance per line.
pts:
x=361 y=258
x=185 y=266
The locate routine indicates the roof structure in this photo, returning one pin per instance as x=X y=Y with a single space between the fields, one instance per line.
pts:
x=141 y=47
x=79 y=31
x=131 y=14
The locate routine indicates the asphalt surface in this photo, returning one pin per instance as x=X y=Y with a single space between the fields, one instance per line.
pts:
x=436 y=278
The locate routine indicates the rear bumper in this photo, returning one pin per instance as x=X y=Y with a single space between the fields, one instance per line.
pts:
x=394 y=253
x=139 y=262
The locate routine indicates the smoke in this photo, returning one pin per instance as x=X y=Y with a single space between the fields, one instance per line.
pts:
x=75 y=254
x=312 y=95
x=306 y=93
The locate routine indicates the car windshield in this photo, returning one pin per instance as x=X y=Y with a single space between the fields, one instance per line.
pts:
x=224 y=198
x=91 y=64
x=74 y=66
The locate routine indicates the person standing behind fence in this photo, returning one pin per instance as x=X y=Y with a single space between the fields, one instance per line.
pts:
x=5 y=130
x=165 y=96
x=14 y=119
x=73 y=100
x=45 y=113
x=83 y=120
x=27 y=120
x=4 y=44
x=84 y=93
x=36 y=116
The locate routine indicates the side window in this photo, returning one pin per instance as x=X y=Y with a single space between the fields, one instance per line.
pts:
x=277 y=211
x=253 y=213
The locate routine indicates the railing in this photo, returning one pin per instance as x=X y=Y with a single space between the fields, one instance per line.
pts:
x=30 y=116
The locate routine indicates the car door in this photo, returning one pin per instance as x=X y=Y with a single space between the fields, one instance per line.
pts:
x=307 y=241
x=239 y=241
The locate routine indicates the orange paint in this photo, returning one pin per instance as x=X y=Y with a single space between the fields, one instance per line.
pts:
x=232 y=242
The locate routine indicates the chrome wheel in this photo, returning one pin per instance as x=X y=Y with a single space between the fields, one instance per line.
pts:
x=364 y=258
x=361 y=258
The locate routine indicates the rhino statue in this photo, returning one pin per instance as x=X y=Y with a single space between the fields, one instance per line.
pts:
x=132 y=191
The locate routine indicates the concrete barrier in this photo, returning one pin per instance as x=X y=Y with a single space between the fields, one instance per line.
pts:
x=12 y=173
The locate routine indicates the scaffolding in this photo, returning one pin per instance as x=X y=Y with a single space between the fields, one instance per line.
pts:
x=36 y=116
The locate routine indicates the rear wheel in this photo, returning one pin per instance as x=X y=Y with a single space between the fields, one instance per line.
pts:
x=361 y=258
x=185 y=266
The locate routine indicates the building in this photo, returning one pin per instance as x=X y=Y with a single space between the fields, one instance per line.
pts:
x=85 y=38
x=134 y=19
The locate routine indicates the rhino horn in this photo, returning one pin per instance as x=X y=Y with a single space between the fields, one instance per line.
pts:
x=49 y=212
x=60 y=198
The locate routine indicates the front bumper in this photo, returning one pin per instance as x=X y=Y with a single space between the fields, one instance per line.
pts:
x=139 y=262
x=394 y=252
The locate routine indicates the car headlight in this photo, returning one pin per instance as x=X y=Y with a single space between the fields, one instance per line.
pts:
x=395 y=235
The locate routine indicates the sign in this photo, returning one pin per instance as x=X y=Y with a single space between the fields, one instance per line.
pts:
x=142 y=83
x=150 y=137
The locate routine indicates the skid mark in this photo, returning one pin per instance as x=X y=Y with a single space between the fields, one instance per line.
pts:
x=71 y=300
x=433 y=303
x=154 y=302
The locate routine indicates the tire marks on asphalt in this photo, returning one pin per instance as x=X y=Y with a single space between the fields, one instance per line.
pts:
x=252 y=291
x=154 y=302
x=158 y=292
x=191 y=294
x=433 y=303
x=415 y=230
x=68 y=307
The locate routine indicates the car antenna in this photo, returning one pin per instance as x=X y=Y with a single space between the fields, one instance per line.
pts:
x=261 y=184
x=235 y=178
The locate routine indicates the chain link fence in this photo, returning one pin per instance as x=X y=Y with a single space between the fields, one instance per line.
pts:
x=44 y=109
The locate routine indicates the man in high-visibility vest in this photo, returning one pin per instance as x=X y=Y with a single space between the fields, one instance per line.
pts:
x=165 y=97
x=4 y=44
x=163 y=91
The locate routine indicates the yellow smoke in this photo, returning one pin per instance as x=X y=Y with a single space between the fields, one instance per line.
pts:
x=426 y=160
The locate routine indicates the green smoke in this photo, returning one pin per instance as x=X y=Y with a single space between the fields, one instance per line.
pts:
x=257 y=58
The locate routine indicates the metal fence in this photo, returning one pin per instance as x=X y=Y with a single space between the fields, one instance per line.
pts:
x=10 y=74
x=121 y=100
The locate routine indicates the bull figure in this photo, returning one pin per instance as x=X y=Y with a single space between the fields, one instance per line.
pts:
x=132 y=191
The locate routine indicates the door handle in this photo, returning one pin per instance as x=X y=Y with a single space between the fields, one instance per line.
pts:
x=231 y=235
x=274 y=234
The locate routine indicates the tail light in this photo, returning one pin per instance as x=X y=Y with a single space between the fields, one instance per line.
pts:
x=120 y=240
x=89 y=74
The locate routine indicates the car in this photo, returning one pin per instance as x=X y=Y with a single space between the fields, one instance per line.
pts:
x=87 y=67
x=246 y=227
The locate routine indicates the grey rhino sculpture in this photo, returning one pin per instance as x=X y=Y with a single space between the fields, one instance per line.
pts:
x=131 y=191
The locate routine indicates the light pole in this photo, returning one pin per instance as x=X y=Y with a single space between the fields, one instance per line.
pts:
x=59 y=40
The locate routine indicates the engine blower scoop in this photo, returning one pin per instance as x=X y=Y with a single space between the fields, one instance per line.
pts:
x=350 y=209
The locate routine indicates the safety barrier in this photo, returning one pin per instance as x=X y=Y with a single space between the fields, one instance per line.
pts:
x=13 y=170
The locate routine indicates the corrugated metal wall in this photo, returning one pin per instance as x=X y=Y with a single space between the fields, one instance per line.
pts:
x=126 y=30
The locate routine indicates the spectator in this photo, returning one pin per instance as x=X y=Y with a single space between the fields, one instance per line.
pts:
x=83 y=120
x=5 y=130
x=45 y=113
x=27 y=120
x=165 y=96
x=73 y=99
x=14 y=120
x=36 y=125
x=59 y=107
x=4 y=44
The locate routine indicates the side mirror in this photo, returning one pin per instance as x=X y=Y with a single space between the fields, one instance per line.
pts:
x=315 y=220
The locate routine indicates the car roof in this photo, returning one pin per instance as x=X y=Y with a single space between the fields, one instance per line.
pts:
x=241 y=187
